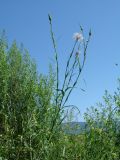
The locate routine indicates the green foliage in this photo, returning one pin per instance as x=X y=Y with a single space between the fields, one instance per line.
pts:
x=25 y=106
x=102 y=138
x=32 y=109
x=32 y=105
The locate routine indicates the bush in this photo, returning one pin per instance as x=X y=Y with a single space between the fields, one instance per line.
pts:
x=25 y=105
x=102 y=138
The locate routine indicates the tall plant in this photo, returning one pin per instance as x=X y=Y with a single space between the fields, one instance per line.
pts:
x=73 y=69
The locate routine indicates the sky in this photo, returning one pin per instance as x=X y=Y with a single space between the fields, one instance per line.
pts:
x=26 y=21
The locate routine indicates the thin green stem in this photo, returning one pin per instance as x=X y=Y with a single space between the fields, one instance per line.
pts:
x=56 y=58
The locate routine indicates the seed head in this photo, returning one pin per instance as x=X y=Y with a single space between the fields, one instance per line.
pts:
x=78 y=36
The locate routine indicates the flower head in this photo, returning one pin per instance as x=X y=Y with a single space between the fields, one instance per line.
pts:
x=78 y=36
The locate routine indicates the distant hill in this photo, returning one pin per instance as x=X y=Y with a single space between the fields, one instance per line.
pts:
x=80 y=127
x=74 y=127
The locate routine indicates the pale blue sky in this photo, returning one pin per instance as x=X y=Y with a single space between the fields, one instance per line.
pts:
x=27 y=22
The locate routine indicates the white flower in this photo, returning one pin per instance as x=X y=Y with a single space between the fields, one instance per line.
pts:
x=78 y=36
